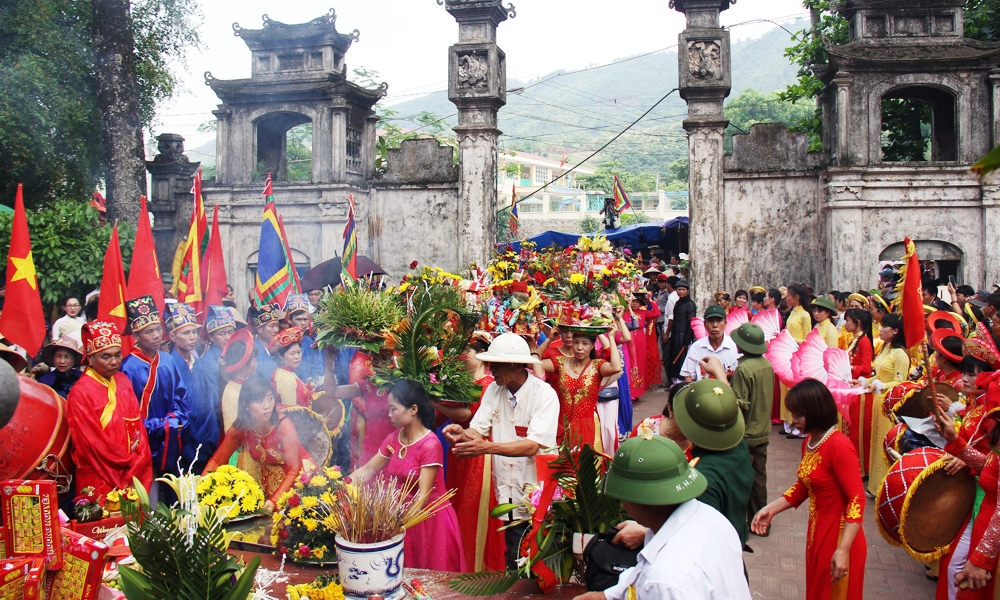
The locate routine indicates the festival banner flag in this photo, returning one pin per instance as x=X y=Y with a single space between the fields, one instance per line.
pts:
x=910 y=298
x=144 y=270
x=296 y=284
x=189 y=288
x=215 y=284
x=514 y=222
x=22 y=321
x=114 y=291
x=621 y=198
x=349 y=261
x=274 y=279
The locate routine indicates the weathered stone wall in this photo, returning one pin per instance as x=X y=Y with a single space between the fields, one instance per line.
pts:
x=532 y=227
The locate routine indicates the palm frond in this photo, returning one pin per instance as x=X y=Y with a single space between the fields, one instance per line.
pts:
x=484 y=583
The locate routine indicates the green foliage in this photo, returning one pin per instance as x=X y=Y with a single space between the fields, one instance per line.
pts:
x=355 y=316
x=298 y=153
x=484 y=583
x=591 y=224
x=175 y=565
x=752 y=107
x=632 y=218
x=68 y=245
x=603 y=179
x=50 y=125
x=504 y=234
x=982 y=20
x=905 y=130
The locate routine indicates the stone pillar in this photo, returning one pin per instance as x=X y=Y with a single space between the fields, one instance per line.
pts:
x=994 y=79
x=170 y=201
x=477 y=85
x=705 y=79
x=842 y=85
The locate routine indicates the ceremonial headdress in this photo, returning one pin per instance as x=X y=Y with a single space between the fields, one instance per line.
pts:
x=142 y=313
x=757 y=290
x=66 y=342
x=971 y=314
x=262 y=315
x=859 y=298
x=179 y=315
x=99 y=336
x=292 y=335
x=218 y=318
x=878 y=299
x=296 y=303
x=942 y=319
x=937 y=339
x=981 y=346
x=243 y=336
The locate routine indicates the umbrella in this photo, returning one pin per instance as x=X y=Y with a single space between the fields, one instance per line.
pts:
x=328 y=273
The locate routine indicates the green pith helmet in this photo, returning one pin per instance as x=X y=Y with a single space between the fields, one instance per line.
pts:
x=824 y=302
x=653 y=470
x=749 y=337
x=709 y=416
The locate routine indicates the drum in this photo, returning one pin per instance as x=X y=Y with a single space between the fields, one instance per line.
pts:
x=36 y=439
x=892 y=440
x=312 y=431
x=901 y=401
x=922 y=508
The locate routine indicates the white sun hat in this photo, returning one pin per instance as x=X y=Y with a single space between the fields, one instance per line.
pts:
x=509 y=348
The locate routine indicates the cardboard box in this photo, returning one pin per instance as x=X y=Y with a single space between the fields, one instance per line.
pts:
x=12 y=575
x=97 y=529
x=3 y=544
x=31 y=520
x=34 y=581
x=83 y=568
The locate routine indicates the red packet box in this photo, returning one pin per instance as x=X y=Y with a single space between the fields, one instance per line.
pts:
x=97 y=529
x=12 y=575
x=31 y=520
x=82 y=570
x=3 y=544
x=34 y=581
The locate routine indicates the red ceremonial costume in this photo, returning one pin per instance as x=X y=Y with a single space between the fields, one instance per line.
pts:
x=369 y=413
x=280 y=462
x=829 y=477
x=110 y=446
x=483 y=543
x=578 y=394
x=860 y=428
x=291 y=390
x=555 y=349
x=645 y=351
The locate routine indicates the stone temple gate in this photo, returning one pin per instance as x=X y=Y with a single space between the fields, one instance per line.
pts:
x=299 y=118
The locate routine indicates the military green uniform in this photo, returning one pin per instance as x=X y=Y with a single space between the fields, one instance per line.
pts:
x=730 y=479
x=753 y=384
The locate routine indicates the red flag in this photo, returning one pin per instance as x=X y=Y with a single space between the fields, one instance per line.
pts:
x=114 y=291
x=144 y=271
x=216 y=285
x=22 y=321
x=189 y=288
x=910 y=299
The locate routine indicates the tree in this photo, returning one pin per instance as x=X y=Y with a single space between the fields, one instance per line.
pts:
x=68 y=243
x=50 y=122
x=752 y=107
x=603 y=179
x=591 y=224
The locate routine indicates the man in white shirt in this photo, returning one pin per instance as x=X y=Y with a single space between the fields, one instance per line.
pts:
x=691 y=550
x=516 y=420
x=716 y=344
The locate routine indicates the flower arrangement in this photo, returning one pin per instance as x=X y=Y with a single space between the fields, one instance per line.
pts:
x=377 y=511
x=326 y=587
x=113 y=499
x=232 y=491
x=356 y=316
x=598 y=243
x=87 y=506
x=297 y=529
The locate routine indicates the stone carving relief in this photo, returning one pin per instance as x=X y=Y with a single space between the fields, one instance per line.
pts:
x=170 y=148
x=472 y=71
x=329 y=209
x=705 y=60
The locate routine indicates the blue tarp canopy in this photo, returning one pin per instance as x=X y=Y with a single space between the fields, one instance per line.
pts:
x=640 y=235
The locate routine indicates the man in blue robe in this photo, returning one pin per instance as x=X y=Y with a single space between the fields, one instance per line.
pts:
x=266 y=321
x=297 y=314
x=220 y=325
x=157 y=383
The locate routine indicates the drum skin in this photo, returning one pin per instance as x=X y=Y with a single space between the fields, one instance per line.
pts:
x=892 y=440
x=922 y=508
x=901 y=401
x=37 y=429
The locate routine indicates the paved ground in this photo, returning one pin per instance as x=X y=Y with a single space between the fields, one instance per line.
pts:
x=777 y=564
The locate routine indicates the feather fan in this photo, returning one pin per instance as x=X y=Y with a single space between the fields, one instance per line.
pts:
x=698 y=327
x=807 y=362
x=735 y=319
x=780 y=352
x=770 y=321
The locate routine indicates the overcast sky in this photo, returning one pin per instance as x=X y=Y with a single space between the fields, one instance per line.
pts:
x=406 y=41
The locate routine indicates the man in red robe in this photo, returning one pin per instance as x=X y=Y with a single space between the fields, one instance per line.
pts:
x=110 y=446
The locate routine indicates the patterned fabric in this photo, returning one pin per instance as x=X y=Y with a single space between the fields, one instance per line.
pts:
x=179 y=315
x=142 y=313
x=262 y=315
x=219 y=317
x=982 y=347
x=578 y=394
x=99 y=336
x=296 y=303
x=292 y=335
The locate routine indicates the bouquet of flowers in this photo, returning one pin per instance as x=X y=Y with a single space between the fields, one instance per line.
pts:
x=87 y=506
x=598 y=243
x=113 y=500
x=297 y=530
x=326 y=587
x=232 y=491
x=356 y=316
x=513 y=307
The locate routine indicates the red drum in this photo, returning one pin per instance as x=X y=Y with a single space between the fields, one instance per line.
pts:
x=36 y=435
x=922 y=508
x=901 y=401
x=892 y=440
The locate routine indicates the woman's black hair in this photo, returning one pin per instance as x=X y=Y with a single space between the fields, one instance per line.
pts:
x=863 y=318
x=408 y=393
x=253 y=391
x=815 y=403
x=479 y=345
x=775 y=294
x=280 y=354
x=592 y=338
x=895 y=322
x=971 y=365
x=743 y=293
x=799 y=292
x=674 y=391
x=758 y=297
x=952 y=344
x=843 y=297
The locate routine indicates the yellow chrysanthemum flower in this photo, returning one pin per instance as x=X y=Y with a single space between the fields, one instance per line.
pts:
x=310 y=501
x=318 y=481
x=310 y=524
x=295 y=512
x=577 y=278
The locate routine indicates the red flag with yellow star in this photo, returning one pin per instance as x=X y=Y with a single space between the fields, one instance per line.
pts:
x=22 y=321
x=111 y=304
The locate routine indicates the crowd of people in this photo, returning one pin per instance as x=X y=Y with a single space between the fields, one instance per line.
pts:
x=183 y=392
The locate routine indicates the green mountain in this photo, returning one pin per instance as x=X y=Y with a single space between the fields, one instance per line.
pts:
x=576 y=113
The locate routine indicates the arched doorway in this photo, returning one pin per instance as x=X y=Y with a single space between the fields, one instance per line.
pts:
x=284 y=147
x=945 y=256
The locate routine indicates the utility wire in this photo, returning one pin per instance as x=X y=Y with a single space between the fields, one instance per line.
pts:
x=595 y=152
